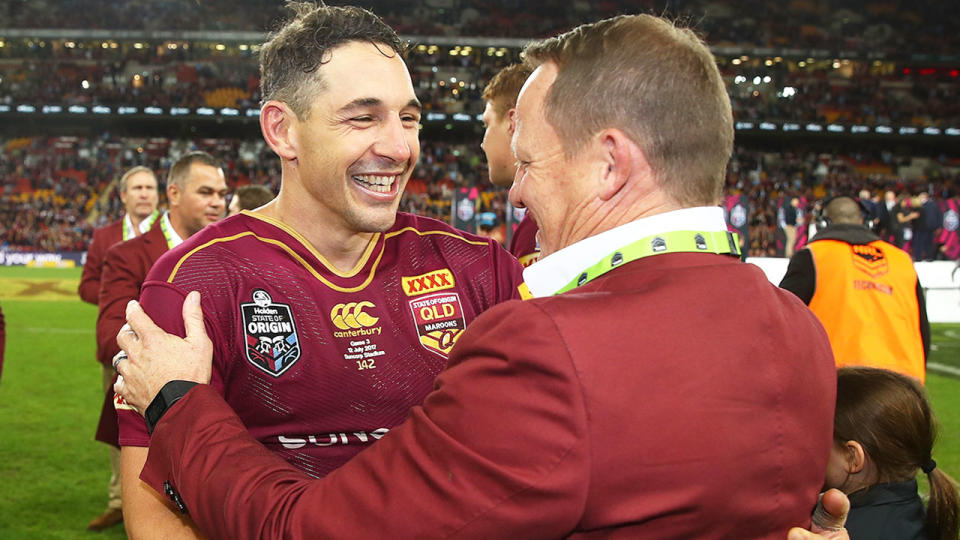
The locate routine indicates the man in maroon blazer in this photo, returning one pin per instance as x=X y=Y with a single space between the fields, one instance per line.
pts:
x=138 y=192
x=629 y=399
x=195 y=192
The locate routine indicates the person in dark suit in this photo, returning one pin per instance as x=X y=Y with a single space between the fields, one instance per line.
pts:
x=138 y=192
x=195 y=192
x=626 y=399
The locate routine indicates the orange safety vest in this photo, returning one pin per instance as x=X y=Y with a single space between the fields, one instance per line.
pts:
x=866 y=299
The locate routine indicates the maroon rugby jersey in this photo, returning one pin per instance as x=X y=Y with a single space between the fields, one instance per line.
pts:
x=524 y=245
x=320 y=363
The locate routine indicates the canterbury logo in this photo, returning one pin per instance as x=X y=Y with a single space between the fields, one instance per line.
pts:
x=351 y=315
x=431 y=281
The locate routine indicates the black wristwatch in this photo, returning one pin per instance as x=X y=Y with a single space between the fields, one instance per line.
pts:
x=169 y=394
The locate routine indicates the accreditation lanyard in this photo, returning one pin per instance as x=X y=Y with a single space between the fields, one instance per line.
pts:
x=718 y=242
x=170 y=235
x=143 y=227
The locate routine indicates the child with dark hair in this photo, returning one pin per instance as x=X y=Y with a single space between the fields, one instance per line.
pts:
x=883 y=432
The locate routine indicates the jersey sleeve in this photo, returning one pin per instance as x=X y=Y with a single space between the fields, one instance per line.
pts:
x=163 y=302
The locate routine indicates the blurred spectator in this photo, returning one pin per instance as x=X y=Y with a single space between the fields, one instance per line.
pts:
x=249 y=198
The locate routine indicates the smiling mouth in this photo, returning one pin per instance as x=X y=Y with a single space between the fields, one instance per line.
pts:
x=377 y=183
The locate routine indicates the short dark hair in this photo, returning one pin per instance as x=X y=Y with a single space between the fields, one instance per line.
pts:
x=181 y=168
x=504 y=87
x=291 y=57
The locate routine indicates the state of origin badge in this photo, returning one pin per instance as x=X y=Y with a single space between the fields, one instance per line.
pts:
x=270 y=334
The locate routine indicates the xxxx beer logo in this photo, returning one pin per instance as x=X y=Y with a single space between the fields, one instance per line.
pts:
x=354 y=320
x=870 y=260
x=437 y=280
x=439 y=319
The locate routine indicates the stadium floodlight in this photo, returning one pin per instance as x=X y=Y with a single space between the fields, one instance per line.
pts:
x=51 y=109
x=788 y=91
x=26 y=109
x=883 y=129
x=791 y=126
x=952 y=131
x=744 y=125
x=835 y=128
x=177 y=111
x=908 y=130
x=860 y=129
x=931 y=131
x=768 y=126
x=816 y=128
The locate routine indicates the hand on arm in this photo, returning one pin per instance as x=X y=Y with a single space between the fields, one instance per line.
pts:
x=156 y=357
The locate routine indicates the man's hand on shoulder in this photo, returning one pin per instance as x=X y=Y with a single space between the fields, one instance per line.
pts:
x=154 y=357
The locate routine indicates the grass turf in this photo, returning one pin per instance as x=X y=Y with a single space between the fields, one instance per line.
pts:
x=53 y=475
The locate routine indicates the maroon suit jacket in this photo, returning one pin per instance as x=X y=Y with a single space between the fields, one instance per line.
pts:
x=125 y=269
x=652 y=402
x=103 y=239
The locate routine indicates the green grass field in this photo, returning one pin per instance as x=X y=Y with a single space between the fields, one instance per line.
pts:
x=53 y=474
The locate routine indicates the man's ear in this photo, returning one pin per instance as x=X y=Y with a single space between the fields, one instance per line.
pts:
x=620 y=158
x=173 y=194
x=512 y=118
x=855 y=456
x=276 y=124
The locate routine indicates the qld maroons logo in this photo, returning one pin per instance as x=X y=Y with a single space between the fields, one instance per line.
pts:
x=270 y=334
x=439 y=319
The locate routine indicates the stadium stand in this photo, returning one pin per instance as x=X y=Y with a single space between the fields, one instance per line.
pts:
x=827 y=100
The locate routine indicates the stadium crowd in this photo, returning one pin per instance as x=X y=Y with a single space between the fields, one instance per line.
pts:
x=879 y=27
x=55 y=191
x=198 y=74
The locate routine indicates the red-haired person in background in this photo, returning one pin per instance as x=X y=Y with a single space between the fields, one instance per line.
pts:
x=500 y=123
x=883 y=433
x=138 y=193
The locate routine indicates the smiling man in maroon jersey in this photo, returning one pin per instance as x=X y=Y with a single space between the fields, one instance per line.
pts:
x=332 y=314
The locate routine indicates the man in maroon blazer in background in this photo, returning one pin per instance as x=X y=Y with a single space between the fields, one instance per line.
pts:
x=195 y=193
x=138 y=193
x=636 y=396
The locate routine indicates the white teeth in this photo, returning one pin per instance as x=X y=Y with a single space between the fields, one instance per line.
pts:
x=381 y=184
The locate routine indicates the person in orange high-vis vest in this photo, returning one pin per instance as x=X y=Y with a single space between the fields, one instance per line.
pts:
x=865 y=293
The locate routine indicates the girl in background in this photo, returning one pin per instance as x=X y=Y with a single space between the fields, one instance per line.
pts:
x=883 y=433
